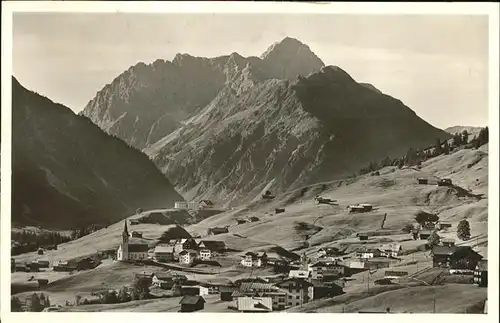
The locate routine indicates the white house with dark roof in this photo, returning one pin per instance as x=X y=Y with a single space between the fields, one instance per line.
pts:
x=391 y=250
x=187 y=256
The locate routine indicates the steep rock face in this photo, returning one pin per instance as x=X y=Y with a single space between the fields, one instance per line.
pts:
x=67 y=172
x=148 y=102
x=288 y=133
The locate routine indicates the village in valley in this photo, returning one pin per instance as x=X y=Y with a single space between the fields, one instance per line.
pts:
x=214 y=266
x=221 y=162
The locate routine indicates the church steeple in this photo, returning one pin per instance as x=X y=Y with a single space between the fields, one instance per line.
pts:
x=125 y=234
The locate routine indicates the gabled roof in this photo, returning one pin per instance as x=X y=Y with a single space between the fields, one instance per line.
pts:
x=186 y=251
x=448 y=251
x=138 y=248
x=164 y=249
x=255 y=304
x=256 y=287
x=192 y=300
x=301 y=280
x=212 y=244
x=227 y=289
x=164 y=275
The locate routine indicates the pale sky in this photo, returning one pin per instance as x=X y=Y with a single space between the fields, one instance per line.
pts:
x=436 y=65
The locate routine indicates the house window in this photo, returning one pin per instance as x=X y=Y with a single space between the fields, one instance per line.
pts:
x=289 y=296
x=298 y=297
x=289 y=303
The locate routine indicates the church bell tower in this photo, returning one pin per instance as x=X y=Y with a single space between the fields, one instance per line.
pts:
x=125 y=237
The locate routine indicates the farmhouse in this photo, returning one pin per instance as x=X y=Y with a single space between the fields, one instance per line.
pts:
x=86 y=263
x=218 y=230
x=423 y=180
x=254 y=304
x=297 y=290
x=205 y=254
x=321 y=270
x=368 y=253
x=226 y=293
x=63 y=266
x=131 y=249
x=322 y=252
x=212 y=245
x=187 y=256
x=197 y=290
x=184 y=205
x=356 y=209
x=251 y=259
x=298 y=274
x=319 y=289
x=163 y=280
x=136 y=234
x=424 y=235
x=481 y=273
x=164 y=253
x=192 y=303
x=261 y=289
x=444 y=182
x=43 y=263
x=455 y=258
x=448 y=242
x=184 y=244
x=391 y=250
x=378 y=263
x=363 y=237
x=206 y=204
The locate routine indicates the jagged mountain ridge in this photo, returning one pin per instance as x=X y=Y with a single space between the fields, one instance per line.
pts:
x=67 y=172
x=147 y=102
x=288 y=133
x=270 y=126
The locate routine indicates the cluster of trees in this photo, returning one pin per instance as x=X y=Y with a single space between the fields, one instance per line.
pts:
x=34 y=303
x=27 y=241
x=415 y=157
x=86 y=230
x=463 y=230
x=426 y=220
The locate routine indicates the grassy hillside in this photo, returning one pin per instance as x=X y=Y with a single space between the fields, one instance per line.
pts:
x=395 y=193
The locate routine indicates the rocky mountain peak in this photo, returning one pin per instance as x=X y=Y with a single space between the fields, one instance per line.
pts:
x=289 y=58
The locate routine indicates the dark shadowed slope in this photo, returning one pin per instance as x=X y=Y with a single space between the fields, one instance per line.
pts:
x=68 y=172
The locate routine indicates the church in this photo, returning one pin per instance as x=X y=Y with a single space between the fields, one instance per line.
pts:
x=131 y=248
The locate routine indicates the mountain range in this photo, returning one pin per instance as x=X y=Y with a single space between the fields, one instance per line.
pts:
x=67 y=172
x=228 y=127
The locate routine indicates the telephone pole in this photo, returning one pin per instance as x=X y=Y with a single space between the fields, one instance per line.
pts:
x=434 y=300
x=368 y=281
